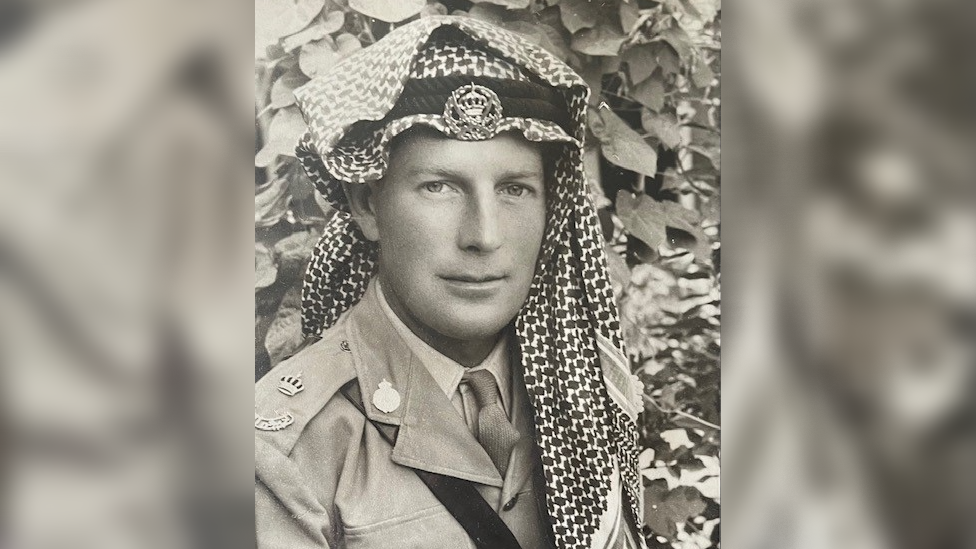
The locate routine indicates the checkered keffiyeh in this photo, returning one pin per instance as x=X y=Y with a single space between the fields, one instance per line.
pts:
x=570 y=309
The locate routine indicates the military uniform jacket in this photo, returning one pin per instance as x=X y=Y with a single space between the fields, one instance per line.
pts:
x=326 y=478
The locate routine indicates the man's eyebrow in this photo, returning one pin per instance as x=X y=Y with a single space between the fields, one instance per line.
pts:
x=454 y=175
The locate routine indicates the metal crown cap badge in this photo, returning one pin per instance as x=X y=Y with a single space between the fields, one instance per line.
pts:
x=386 y=398
x=291 y=385
x=472 y=112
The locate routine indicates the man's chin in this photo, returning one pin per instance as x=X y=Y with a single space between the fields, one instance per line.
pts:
x=476 y=327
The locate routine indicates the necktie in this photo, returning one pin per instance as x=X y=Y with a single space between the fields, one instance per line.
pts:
x=495 y=433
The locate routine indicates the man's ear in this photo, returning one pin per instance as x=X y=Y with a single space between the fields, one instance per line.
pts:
x=360 y=196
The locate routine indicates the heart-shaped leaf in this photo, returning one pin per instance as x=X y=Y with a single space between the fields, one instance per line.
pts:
x=282 y=91
x=665 y=126
x=621 y=145
x=619 y=273
x=579 y=14
x=319 y=29
x=317 y=57
x=641 y=219
x=604 y=39
x=641 y=61
x=285 y=130
x=629 y=16
x=271 y=203
x=664 y=509
x=285 y=334
x=275 y=19
x=509 y=4
x=650 y=92
x=389 y=11
x=265 y=269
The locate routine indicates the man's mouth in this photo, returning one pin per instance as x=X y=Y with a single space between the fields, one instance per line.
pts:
x=474 y=278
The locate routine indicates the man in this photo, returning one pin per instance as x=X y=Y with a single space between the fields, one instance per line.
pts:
x=469 y=387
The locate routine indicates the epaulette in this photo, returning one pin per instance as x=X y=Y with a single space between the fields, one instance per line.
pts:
x=297 y=389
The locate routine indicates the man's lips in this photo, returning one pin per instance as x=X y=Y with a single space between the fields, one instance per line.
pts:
x=473 y=279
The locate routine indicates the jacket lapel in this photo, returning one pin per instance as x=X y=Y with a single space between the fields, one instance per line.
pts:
x=432 y=435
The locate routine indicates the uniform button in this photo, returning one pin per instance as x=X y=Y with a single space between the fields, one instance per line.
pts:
x=510 y=504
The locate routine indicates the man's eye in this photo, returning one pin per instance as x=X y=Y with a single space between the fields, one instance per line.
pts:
x=516 y=190
x=435 y=187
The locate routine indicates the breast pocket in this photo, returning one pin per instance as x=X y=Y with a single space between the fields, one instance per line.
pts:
x=431 y=528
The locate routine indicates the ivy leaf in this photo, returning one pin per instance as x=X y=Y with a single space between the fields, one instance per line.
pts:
x=318 y=30
x=285 y=334
x=680 y=41
x=711 y=153
x=433 y=9
x=604 y=39
x=664 y=509
x=389 y=11
x=677 y=438
x=703 y=75
x=295 y=249
x=665 y=126
x=667 y=59
x=271 y=202
x=629 y=17
x=546 y=29
x=620 y=144
x=619 y=273
x=285 y=130
x=649 y=220
x=282 y=91
x=537 y=34
x=265 y=269
x=579 y=14
x=317 y=57
x=641 y=61
x=347 y=44
x=489 y=13
x=279 y=18
x=641 y=218
x=650 y=92
x=509 y=4
x=703 y=10
x=671 y=181
x=687 y=221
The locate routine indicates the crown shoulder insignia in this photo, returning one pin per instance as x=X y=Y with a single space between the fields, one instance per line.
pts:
x=472 y=112
x=291 y=385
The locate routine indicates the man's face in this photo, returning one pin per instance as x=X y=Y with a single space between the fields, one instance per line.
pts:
x=460 y=225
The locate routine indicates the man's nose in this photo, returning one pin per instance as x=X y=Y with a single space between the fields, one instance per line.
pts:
x=480 y=227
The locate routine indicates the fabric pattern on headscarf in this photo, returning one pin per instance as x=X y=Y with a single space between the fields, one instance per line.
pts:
x=580 y=428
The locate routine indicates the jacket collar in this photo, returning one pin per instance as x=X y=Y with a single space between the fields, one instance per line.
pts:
x=432 y=435
x=445 y=371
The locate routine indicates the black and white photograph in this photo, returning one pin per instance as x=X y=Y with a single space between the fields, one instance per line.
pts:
x=560 y=274
x=488 y=279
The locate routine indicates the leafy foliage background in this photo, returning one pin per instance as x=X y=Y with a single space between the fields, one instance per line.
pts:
x=653 y=165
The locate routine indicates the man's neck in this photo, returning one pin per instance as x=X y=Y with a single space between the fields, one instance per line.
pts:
x=467 y=353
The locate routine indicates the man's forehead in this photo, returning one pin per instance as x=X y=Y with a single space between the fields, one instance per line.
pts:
x=509 y=154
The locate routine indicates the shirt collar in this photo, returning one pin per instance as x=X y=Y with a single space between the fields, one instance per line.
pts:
x=446 y=372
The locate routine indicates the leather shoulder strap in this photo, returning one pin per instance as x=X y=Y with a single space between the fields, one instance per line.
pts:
x=460 y=497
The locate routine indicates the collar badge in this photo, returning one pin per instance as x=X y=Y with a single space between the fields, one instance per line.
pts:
x=386 y=398
x=291 y=385
x=275 y=423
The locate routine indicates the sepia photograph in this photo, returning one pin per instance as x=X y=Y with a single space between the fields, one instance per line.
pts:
x=487 y=288
x=526 y=273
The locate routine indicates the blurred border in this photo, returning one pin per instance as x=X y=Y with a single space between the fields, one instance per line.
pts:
x=850 y=274
x=125 y=273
